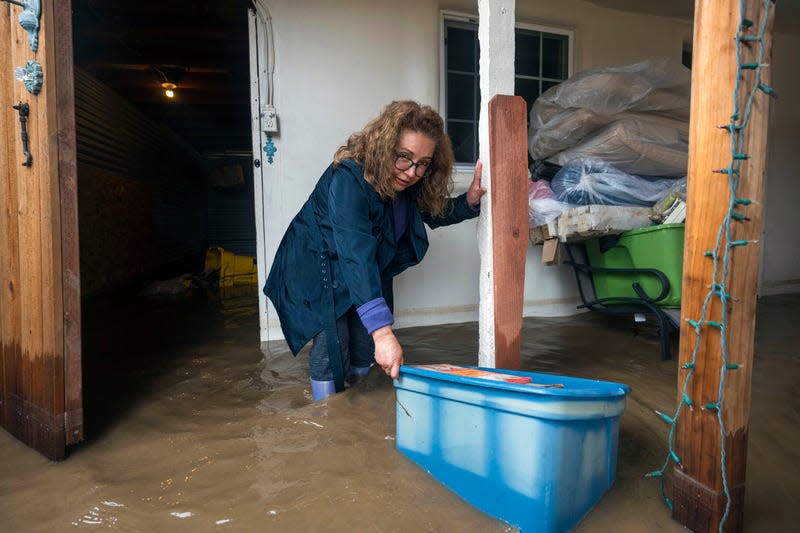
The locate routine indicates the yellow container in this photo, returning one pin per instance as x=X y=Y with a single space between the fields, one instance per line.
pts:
x=233 y=269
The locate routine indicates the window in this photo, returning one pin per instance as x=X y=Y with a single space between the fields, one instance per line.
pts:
x=541 y=60
x=686 y=55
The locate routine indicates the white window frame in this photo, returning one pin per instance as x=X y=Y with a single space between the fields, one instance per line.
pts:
x=456 y=16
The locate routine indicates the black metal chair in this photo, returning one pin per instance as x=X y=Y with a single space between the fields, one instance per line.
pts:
x=668 y=319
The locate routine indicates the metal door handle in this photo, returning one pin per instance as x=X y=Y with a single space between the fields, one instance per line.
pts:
x=24 y=111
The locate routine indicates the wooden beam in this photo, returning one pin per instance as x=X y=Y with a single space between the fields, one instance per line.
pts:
x=508 y=142
x=68 y=205
x=700 y=501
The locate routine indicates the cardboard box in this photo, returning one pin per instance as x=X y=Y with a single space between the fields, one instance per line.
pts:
x=551 y=252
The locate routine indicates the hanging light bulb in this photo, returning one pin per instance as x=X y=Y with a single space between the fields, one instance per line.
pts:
x=169 y=89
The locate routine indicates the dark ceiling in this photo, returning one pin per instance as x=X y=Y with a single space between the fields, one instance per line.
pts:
x=133 y=46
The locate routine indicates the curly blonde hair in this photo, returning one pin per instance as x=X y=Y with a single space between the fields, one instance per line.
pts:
x=375 y=146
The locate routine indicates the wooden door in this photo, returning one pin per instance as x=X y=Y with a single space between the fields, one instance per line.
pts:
x=40 y=345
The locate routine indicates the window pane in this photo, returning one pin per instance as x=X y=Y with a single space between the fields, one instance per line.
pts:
x=461 y=49
x=460 y=96
x=462 y=135
x=686 y=55
x=528 y=89
x=526 y=53
x=554 y=56
x=461 y=101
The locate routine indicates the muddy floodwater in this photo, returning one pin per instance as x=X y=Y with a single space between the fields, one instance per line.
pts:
x=190 y=427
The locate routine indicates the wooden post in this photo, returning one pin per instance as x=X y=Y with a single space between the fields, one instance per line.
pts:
x=699 y=498
x=508 y=146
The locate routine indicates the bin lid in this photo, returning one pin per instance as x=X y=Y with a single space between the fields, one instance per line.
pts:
x=529 y=382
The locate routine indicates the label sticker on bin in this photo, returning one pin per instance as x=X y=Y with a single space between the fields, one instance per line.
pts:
x=468 y=372
x=472 y=372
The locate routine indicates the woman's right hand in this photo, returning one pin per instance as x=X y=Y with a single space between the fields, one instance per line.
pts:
x=388 y=352
x=476 y=192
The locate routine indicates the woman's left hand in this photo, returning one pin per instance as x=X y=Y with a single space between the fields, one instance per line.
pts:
x=475 y=191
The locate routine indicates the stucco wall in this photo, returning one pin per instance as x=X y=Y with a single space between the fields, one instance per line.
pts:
x=780 y=265
x=338 y=63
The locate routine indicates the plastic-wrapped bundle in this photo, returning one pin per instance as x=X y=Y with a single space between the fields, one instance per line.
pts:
x=566 y=113
x=566 y=128
x=591 y=181
x=542 y=206
x=642 y=145
x=655 y=85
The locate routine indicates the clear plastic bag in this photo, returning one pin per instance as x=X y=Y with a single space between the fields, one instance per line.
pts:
x=592 y=181
x=655 y=85
x=542 y=205
x=566 y=128
x=592 y=99
x=539 y=189
x=641 y=145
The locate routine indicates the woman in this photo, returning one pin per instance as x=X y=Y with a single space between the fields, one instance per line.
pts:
x=362 y=225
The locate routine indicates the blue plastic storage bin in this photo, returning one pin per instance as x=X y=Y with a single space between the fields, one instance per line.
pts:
x=535 y=457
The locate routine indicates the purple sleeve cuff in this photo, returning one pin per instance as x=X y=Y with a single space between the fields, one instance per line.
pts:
x=375 y=314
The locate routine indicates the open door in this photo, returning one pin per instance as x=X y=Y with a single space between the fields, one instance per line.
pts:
x=40 y=343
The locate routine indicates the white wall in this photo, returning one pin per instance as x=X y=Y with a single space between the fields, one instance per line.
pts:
x=336 y=65
x=339 y=62
x=780 y=266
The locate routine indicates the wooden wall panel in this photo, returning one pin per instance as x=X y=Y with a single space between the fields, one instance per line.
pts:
x=231 y=213
x=149 y=177
x=117 y=227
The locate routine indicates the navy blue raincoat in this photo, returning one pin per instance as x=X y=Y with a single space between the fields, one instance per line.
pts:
x=340 y=251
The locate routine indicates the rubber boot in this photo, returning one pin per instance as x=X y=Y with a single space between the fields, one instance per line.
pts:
x=357 y=373
x=322 y=389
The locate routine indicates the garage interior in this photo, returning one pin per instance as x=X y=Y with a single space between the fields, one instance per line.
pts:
x=161 y=179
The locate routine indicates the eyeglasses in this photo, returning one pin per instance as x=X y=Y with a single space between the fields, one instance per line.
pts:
x=403 y=162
